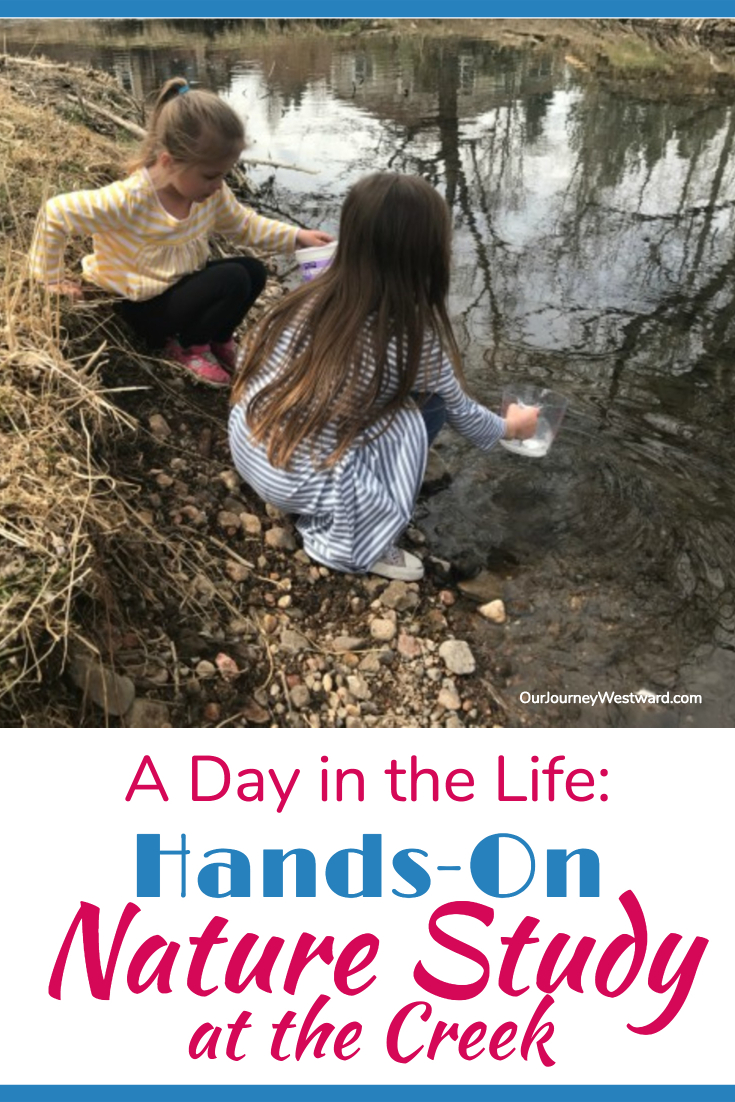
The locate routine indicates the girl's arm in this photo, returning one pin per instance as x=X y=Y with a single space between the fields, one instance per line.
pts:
x=473 y=420
x=78 y=212
x=242 y=224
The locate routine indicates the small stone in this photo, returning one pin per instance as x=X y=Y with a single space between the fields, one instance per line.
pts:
x=383 y=630
x=251 y=524
x=285 y=601
x=294 y=641
x=344 y=643
x=237 y=571
x=436 y=469
x=231 y=480
x=227 y=667
x=145 y=516
x=358 y=687
x=457 y=656
x=147 y=713
x=400 y=596
x=453 y=720
x=255 y=713
x=447 y=598
x=280 y=539
x=270 y=623
x=164 y=480
x=494 y=610
x=273 y=512
x=105 y=688
x=159 y=426
x=300 y=696
x=205 y=669
x=228 y=520
x=409 y=646
x=370 y=664
x=212 y=711
x=449 y=699
x=576 y=602
x=204 y=443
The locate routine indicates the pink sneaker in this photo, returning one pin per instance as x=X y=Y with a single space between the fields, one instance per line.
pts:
x=227 y=353
x=199 y=362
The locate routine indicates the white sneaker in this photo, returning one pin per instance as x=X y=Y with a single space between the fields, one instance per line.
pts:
x=398 y=564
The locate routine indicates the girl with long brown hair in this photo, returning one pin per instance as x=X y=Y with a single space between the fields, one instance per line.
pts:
x=151 y=235
x=346 y=381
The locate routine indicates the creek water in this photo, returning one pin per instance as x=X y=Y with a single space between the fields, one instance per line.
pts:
x=593 y=253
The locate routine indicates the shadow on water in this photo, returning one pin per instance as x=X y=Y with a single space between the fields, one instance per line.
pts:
x=593 y=251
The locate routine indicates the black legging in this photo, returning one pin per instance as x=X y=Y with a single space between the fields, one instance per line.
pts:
x=205 y=306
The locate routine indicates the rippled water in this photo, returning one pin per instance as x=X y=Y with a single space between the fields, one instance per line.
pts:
x=593 y=253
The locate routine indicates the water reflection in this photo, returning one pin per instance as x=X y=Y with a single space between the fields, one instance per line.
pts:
x=593 y=252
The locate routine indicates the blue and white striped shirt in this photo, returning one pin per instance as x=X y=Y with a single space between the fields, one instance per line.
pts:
x=350 y=512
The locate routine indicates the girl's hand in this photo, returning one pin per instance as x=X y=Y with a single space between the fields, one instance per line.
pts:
x=309 y=239
x=520 y=422
x=68 y=287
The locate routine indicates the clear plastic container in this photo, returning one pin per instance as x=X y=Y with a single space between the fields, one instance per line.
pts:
x=551 y=406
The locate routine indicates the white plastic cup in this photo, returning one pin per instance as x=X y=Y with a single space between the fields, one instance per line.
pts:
x=313 y=261
x=551 y=407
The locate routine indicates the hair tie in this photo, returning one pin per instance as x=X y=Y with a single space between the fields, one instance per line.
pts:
x=183 y=88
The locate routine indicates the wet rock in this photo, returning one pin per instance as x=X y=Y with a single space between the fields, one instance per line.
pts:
x=457 y=656
x=280 y=539
x=148 y=713
x=494 y=611
x=110 y=691
x=484 y=587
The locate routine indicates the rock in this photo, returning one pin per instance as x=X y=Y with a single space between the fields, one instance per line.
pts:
x=453 y=720
x=147 y=713
x=285 y=601
x=228 y=520
x=409 y=646
x=494 y=610
x=231 y=479
x=274 y=512
x=300 y=696
x=280 y=539
x=212 y=711
x=358 y=687
x=383 y=630
x=447 y=598
x=237 y=571
x=204 y=443
x=370 y=664
x=457 y=656
x=255 y=713
x=251 y=524
x=270 y=623
x=164 y=480
x=108 y=690
x=449 y=699
x=484 y=587
x=159 y=426
x=205 y=669
x=294 y=642
x=400 y=596
x=227 y=666
x=344 y=643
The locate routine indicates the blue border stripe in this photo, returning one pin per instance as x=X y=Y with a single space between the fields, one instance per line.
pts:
x=365 y=1093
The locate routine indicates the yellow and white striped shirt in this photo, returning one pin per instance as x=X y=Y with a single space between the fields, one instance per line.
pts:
x=140 y=250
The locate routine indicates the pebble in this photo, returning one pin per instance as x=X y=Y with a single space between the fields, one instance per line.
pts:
x=409 y=646
x=358 y=687
x=294 y=642
x=449 y=699
x=383 y=630
x=494 y=610
x=147 y=713
x=159 y=426
x=400 y=596
x=484 y=587
x=228 y=520
x=251 y=525
x=110 y=691
x=280 y=539
x=300 y=696
x=237 y=571
x=230 y=479
x=205 y=669
x=457 y=656
x=344 y=643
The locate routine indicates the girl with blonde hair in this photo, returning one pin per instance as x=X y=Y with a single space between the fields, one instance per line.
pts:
x=346 y=381
x=151 y=235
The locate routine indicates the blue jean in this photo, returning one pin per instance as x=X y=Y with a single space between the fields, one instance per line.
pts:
x=433 y=411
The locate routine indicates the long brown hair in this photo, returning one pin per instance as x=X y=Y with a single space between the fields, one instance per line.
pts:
x=387 y=284
x=192 y=125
